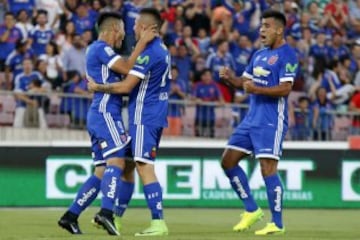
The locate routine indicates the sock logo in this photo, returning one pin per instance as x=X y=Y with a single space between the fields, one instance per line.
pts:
x=277 y=200
x=159 y=206
x=112 y=186
x=86 y=196
x=239 y=187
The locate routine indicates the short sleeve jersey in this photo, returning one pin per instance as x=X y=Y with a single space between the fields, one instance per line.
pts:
x=269 y=68
x=149 y=100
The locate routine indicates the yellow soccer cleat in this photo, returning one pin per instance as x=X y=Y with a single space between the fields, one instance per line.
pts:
x=157 y=228
x=270 y=229
x=117 y=222
x=248 y=219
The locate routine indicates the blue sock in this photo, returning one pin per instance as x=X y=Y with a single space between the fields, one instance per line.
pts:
x=153 y=196
x=275 y=192
x=239 y=183
x=124 y=193
x=109 y=184
x=86 y=195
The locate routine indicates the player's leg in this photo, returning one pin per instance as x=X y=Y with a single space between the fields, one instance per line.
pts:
x=267 y=147
x=144 y=148
x=238 y=147
x=124 y=193
x=86 y=194
x=113 y=142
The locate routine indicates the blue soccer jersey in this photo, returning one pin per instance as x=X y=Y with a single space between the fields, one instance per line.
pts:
x=264 y=127
x=268 y=68
x=41 y=37
x=104 y=121
x=149 y=100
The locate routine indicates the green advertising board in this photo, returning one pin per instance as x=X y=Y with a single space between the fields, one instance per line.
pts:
x=190 y=182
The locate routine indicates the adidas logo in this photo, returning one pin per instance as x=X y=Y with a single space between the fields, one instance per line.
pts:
x=146 y=154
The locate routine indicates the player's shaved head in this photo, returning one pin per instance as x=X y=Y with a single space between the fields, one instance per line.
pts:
x=107 y=20
x=278 y=16
x=151 y=16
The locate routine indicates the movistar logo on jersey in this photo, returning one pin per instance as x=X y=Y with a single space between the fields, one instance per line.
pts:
x=291 y=67
x=261 y=72
x=143 y=59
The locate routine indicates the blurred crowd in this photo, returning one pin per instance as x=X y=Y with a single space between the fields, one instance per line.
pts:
x=43 y=46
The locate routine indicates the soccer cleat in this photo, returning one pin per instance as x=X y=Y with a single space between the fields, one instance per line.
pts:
x=107 y=223
x=270 y=228
x=71 y=226
x=157 y=228
x=248 y=219
x=118 y=225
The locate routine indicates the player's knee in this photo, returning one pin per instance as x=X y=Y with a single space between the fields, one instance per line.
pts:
x=118 y=162
x=268 y=167
x=229 y=160
x=99 y=171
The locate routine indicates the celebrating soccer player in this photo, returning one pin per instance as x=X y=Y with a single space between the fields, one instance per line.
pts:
x=268 y=79
x=148 y=82
x=104 y=124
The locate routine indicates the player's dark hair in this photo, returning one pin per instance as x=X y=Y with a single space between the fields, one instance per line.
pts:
x=278 y=16
x=9 y=14
x=303 y=98
x=153 y=12
x=105 y=16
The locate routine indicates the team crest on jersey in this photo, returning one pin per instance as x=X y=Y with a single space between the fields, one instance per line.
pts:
x=153 y=152
x=103 y=144
x=273 y=59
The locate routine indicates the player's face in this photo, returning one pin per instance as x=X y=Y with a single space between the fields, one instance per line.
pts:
x=138 y=27
x=119 y=34
x=269 y=31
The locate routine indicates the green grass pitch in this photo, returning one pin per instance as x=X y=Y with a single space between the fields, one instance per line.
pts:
x=184 y=224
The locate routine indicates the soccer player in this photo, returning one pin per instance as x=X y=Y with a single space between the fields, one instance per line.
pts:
x=149 y=83
x=104 y=123
x=268 y=79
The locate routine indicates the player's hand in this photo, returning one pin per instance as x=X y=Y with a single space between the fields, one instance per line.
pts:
x=91 y=84
x=224 y=73
x=249 y=86
x=149 y=33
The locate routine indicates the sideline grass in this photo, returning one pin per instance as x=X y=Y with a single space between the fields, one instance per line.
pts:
x=184 y=224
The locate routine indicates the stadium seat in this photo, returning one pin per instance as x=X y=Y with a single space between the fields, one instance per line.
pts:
x=58 y=120
x=6 y=119
x=8 y=103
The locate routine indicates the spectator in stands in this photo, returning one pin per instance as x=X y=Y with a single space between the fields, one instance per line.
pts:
x=54 y=65
x=204 y=41
x=24 y=24
x=338 y=49
x=130 y=12
x=113 y=6
x=354 y=18
x=241 y=49
x=302 y=120
x=15 y=6
x=74 y=58
x=336 y=14
x=322 y=120
x=76 y=107
x=314 y=15
x=64 y=40
x=189 y=41
x=41 y=35
x=354 y=106
x=82 y=18
x=173 y=34
x=206 y=92
x=22 y=85
x=14 y=62
x=197 y=15
x=319 y=49
x=183 y=59
x=54 y=9
x=9 y=35
x=175 y=112
x=215 y=61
